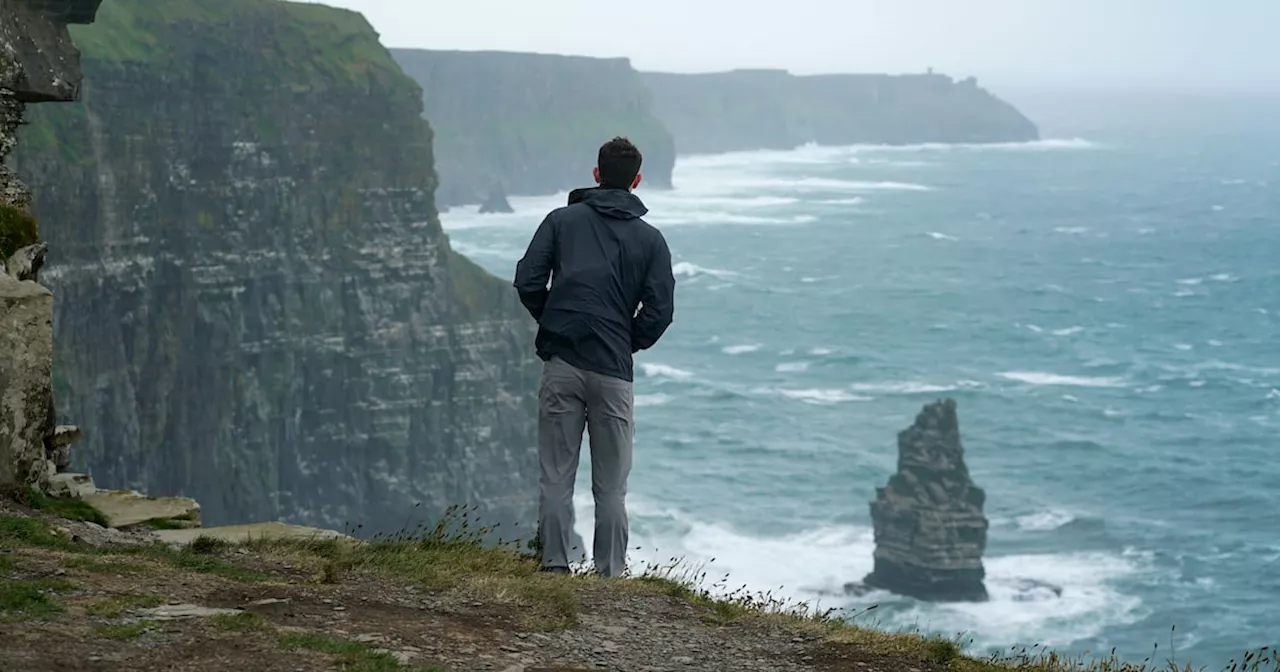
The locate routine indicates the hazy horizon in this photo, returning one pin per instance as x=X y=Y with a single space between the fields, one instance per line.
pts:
x=1179 y=45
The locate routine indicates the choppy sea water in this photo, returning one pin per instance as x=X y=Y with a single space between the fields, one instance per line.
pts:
x=1105 y=311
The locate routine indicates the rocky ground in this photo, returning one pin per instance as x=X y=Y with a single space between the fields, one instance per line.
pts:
x=76 y=596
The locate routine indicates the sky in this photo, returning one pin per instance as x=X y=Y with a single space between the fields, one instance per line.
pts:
x=1158 y=44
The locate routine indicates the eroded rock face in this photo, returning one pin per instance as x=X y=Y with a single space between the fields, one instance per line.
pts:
x=38 y=63
x=257 y=306
x=26 y=391
x=930 y=530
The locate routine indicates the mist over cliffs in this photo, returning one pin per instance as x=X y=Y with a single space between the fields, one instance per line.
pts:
x=255 y=303
x=531 y=122
x=774 y=109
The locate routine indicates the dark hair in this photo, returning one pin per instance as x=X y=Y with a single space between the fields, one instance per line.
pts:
x=619 y=162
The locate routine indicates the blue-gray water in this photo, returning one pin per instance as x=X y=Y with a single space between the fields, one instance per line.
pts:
x=1106 y=311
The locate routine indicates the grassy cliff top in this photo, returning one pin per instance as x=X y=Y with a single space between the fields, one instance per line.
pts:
x=433 y=600
x=160 y=34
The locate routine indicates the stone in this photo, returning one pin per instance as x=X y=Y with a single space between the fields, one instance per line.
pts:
x=45 y=64
x=238 y=534
x=170 y=612
x=124 y=508
x=496 y=202
x=71 y=486
x=60 y=452
x=930 y=530
x=26 y=388
x=26 y=262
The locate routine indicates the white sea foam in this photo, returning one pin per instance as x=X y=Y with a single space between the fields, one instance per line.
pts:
x=912 y=387
x=837 y=554
x=652 y=399
x=1068 y=331
x=1043 y=378
x=655 y=370
x=941 y=236
x=1043 y=521
x=691 y=270
x=1071 y=229
x=820 y=352
x=791 y=367
x=740 y=349
x=822 y=396
x=856 y=200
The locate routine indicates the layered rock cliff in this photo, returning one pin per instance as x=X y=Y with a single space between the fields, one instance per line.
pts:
x=38 y=63
x=256 y=305
x=930 y=531
x=531 y=123
x=773 y=109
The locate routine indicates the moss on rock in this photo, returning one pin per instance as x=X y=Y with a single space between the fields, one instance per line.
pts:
x=18 y=229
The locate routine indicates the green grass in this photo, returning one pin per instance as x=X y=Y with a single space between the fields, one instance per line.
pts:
x=353 y=656
x=109 y=566
x=31 y=599
x=315 y=43
x=17 y=230
x=123 y=630
x=23 y=531
x=115 y=607
x=192 y=561
x=244 y=621
x=183 y=522
x=67 y=509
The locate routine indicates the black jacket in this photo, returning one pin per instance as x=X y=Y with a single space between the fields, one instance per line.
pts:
x=603 y=262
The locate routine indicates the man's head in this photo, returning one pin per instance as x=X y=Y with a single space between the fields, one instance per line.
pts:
x=618 y=165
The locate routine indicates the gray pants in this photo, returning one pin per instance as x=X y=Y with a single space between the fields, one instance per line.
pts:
x=570 y=400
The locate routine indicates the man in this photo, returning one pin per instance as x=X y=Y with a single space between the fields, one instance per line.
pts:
x=611 y=295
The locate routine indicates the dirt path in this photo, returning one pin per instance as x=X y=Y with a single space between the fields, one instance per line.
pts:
x=76 y=597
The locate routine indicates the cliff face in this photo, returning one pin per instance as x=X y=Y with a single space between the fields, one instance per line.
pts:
x=773 y=109
x=530 y=122
x=38 y=63
x=256 y=306
x=930 y=531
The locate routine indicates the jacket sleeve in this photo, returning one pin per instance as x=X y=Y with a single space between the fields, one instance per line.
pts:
x=657 y=300
x=533 y=271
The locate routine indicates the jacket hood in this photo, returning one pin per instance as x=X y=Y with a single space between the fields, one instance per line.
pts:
x=615 y=203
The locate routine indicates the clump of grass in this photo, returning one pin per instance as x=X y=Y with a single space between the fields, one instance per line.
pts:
x=24 y=531
x=114 y=607
x=67 y=509
x=456 y=554
x=123 y=630
x=722 y=606
x=17 y=230
x=202 y=560
x=244 y=621
x=206 y=545
x=90 y=564
x=184 y=522
x=31 y=599
x=354 y=656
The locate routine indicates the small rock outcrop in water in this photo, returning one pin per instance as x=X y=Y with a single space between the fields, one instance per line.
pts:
x=930 y=531
x=496 y=202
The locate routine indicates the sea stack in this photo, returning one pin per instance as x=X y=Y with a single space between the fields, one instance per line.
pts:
x=496 y=202
x=930 y=531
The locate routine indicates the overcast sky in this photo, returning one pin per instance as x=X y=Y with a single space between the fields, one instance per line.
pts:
x=1156 y=43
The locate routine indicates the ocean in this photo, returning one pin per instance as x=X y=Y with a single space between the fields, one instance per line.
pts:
x=1104 y=305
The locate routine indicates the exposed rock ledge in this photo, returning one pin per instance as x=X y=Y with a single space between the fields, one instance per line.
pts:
x=38 y=63
x=930 y=530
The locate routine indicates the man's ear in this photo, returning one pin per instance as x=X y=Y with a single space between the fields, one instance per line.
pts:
x=595 y=174
x=636 y=182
